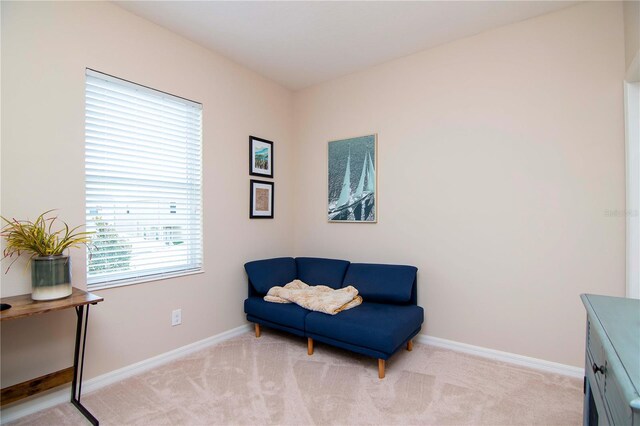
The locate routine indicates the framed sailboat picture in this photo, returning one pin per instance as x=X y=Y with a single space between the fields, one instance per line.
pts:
x=352 y=180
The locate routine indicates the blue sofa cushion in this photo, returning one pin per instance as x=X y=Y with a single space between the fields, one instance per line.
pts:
x=264 y=274
x=371 y=325
x=316 y=271
x=288 y=314
x=382 y=283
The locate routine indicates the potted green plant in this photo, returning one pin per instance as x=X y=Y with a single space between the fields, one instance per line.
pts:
x=45 y=241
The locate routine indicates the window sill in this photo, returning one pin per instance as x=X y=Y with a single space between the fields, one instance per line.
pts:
x=134 y=281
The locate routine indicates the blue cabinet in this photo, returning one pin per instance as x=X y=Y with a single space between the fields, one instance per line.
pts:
x=612 y=361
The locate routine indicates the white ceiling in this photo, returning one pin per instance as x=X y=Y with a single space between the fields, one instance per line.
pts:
x=299 y=44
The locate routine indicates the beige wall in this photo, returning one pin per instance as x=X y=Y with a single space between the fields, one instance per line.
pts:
x=45 y=49
x=632 y=39
x=499 y=156
x=631 y=30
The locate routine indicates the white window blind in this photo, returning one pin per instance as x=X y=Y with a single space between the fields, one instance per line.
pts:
x=143 y=182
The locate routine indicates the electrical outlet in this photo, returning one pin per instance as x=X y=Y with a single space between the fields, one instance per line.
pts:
x=176 y=317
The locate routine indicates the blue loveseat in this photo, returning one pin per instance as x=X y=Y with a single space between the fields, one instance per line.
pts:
x=386 y=321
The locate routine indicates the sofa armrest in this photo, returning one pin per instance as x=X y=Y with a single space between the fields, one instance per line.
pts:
x=264 y=274
x=414 y=292
x=251 y=290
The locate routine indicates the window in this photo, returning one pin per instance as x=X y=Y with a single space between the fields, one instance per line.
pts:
x=143 y=182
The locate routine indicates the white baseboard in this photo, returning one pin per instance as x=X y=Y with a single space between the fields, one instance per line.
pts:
x=525 y=361
x=63 y=394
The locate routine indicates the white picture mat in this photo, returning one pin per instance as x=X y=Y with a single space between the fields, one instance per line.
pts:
x=257 y=146
x=253 y=195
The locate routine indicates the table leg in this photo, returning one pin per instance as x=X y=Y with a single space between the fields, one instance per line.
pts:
x=78 y=363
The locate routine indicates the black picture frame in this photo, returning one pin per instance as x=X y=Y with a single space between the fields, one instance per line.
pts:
x=257 y=208
x=256 y=146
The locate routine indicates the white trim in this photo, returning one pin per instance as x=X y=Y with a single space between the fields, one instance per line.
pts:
x=632 y=211
x=633 y=72
x=144 y=279
x=62 y=395
x=525 y=361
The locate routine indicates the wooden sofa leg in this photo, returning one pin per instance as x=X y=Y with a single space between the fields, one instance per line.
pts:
x=380 y=368
x=257 y=330
x=309 y=346
x=410 y=345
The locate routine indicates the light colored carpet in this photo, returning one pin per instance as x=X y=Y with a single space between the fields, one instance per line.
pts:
x=272 y=380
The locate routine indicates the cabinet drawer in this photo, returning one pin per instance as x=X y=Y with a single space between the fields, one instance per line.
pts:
x=617 y=405
x=613 y=351
x=596 y=354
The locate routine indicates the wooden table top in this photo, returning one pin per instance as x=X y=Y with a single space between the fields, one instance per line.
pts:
x=23 y=306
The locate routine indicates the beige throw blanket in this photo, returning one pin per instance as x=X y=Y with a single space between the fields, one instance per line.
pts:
x=318 y=298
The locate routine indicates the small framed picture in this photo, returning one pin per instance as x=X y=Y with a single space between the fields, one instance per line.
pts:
x=260 y=157
x=261 y=200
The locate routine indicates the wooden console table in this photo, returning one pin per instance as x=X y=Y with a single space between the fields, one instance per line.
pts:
x=21 y=307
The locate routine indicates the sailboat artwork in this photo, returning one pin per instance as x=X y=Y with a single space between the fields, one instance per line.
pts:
x=352 y=180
